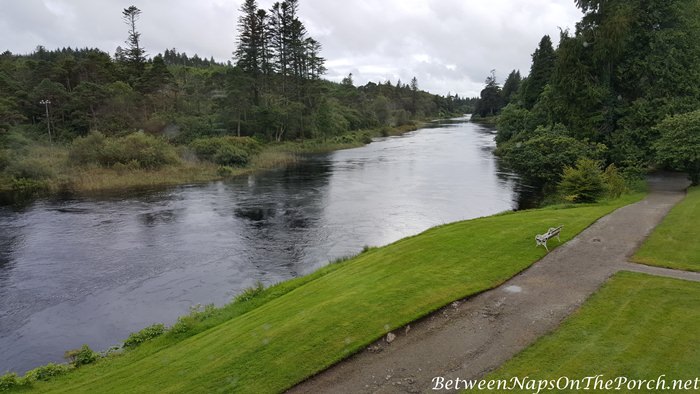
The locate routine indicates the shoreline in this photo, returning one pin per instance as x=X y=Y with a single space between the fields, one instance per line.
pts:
x=105 y=182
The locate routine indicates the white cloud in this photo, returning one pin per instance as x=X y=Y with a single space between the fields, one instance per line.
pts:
x=449 y=45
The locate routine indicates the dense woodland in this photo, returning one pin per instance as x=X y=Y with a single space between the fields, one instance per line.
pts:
x=622 y=89
x=272 y=90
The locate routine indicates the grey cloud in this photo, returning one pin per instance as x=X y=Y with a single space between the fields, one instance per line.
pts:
x=375 y=40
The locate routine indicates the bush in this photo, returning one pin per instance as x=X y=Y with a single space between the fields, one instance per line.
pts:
x=615 y=184
x=138 y=150
x=225 y=171
x=82 y=356
x=148 y=333
x=4 y=159
x=250 y=293
x=679 y=145
x=584 y=183
x=9 y=381
x=542 y=156
x=46 y=372
x=30 y=168
x=89 y=149
x=226 y=151
x=196 y=315
x=512 y=121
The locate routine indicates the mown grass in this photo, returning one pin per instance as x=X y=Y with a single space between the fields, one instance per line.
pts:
x=675 y=242
x=636 y=326
x=298 y=328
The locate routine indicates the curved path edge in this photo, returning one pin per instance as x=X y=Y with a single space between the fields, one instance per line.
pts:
x=471 y=337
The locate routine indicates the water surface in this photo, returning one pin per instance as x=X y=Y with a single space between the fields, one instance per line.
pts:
x=94 y=270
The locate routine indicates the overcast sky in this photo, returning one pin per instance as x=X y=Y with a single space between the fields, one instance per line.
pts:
x=449 y=45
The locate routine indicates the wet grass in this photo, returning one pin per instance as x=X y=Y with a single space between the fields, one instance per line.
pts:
x=674 y=243
x=284 y=334
x=636 y=326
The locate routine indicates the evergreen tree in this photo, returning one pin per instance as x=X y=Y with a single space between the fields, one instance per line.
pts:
x=540 y=72
x=511 y=86
x=134 y=54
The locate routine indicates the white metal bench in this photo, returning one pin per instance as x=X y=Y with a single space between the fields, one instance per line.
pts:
x=541 y=239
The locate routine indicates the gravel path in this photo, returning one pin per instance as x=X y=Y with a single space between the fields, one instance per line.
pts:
x=471 y=337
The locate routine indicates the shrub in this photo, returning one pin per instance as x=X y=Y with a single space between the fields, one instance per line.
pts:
x=9 y=381
x=89 y=149
x=225 y=171
x=196 y=315
x=148 y=333
x=615 y=184
x=584 y=183
x=512 y=121
x=82 y=356
x=30 y=168
x=137 y=150
x=46 y=372
x=679 y=145
x=149 y=151
x=250 y=293
x=4 y=159
x=542 y=156
x=226 y=151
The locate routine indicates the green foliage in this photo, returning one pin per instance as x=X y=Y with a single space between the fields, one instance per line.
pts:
x=197 y=314
x=615 y=183
x=136 y=150
x=542 y=157
x=583 y=183
x=540 y=72
x=226 y=151
x=512 y=121
x=148 y=333
x=9 y=381
x=250 y=293
x=490 y=99
x=30 y=168
x=46 y=372
x=82 y=356
x=679 y=145
x=225 y=171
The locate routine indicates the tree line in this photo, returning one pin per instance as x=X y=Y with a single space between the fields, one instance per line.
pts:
x=621 y=89
x=273 y=89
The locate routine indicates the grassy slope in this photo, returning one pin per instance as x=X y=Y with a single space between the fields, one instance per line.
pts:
x=637 y=326
x=674 y=243
x=319 y=320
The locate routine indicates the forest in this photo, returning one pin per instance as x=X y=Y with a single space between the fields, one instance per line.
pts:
x=70 y=114
x=621 y=93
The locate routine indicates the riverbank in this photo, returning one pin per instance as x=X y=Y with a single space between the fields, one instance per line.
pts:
x=271 y=339
x=50 y=172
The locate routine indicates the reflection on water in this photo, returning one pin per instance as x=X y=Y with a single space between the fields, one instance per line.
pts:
x=94 y=270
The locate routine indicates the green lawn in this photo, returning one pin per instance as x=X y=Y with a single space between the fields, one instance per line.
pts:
x=299 y=328
x=675 y=243
x=637 y=326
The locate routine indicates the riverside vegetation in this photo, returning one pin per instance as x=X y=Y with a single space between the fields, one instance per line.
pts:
x=269 y=339
x=622 y=89
x=175 y=118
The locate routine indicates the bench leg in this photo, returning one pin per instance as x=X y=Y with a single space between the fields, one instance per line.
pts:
x=545 y=246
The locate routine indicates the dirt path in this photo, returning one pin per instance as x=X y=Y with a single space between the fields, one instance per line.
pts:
x=471 y=337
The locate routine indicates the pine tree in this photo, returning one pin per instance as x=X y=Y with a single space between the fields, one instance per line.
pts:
x=542 y=66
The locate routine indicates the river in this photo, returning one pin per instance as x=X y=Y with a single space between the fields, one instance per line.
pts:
x=92 y=270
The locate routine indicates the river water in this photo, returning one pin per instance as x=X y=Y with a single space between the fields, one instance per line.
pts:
x=93 y=270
